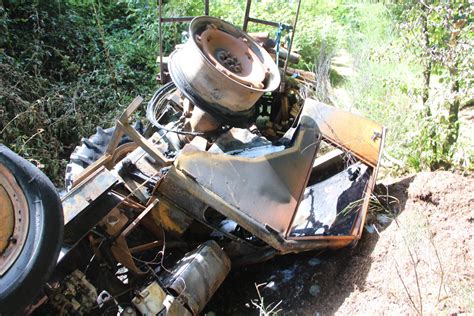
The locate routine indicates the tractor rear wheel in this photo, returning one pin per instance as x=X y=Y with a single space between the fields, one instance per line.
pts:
x=93 y=148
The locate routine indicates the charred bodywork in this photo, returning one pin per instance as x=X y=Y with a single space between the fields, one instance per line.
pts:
x=235 y=167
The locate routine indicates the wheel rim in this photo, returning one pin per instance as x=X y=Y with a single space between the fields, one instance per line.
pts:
x=233 y=57
x=236 y=69
x=14 y=219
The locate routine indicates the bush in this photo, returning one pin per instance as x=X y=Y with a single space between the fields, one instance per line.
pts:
x=65 y=69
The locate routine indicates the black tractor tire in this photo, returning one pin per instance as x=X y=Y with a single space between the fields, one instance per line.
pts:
x=90 y=150
x=37 y=260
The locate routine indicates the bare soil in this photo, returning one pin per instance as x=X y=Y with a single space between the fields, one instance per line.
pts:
x=417 y=259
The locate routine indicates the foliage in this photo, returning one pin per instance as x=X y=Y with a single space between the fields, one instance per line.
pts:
x=386 y=81
x=440 y=35
x=427 y=143
x=67 y=66
x=377 y=79
x=58 y=83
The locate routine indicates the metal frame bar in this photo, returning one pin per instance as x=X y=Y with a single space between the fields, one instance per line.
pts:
x=293 y=30
x=122 y=127
x=248 y=18
x=172 y=20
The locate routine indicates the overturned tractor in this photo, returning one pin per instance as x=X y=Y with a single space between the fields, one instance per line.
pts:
x=234 y=166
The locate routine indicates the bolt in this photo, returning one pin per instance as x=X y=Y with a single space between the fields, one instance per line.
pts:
x=13 y=240
x=376 y=135
x=112 y=220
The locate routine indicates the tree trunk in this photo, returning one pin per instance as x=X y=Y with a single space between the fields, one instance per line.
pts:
x=427 y=64
x=453 y=118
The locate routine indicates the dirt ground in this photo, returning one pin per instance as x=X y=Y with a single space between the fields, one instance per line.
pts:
x=418 y=259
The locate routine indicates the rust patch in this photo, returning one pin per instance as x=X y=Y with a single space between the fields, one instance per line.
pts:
x=14 y=214
x=233 y=57
x=358 y=135
x=7 y=218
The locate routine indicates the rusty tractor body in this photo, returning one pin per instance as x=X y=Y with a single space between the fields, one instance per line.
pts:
x=235 y=167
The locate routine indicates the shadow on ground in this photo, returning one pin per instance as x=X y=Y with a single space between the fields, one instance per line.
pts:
x=307 y=283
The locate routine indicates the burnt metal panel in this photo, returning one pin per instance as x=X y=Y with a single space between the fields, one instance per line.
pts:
x=178 y=192
x=267 y=188
x=87 y=203
x=358 y=135
x=195 y=191
x=86 y=193
x=325 y=208
x=201 y=179
x=176 y=182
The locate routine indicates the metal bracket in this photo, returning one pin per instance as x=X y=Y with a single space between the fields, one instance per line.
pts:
x=123 y=127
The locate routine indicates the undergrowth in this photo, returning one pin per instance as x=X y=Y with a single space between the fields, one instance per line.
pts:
x=64 y=69
x=68 y=66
